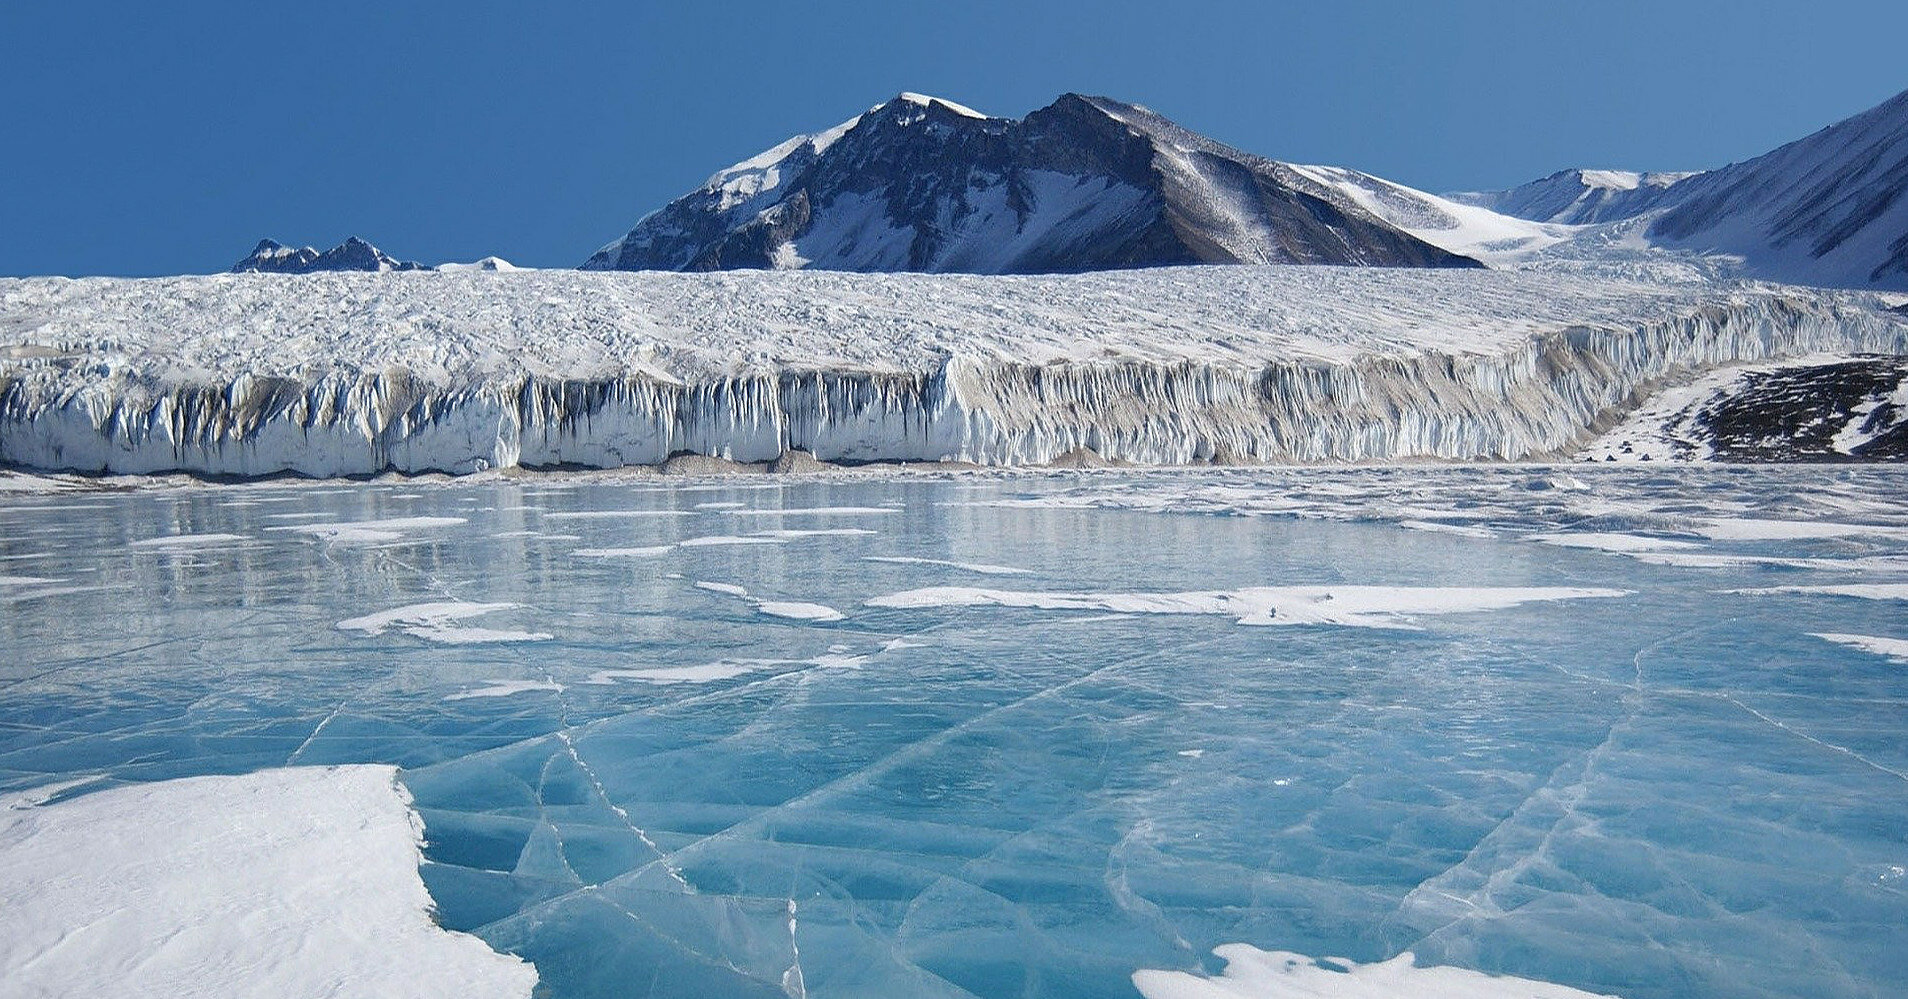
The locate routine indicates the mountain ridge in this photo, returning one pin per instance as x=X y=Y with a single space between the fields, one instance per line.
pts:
x=1086 y=183
x=354 y=254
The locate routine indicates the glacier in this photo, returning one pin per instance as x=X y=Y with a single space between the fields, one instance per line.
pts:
x=349 y=374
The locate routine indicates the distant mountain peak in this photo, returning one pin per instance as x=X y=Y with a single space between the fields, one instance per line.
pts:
x=1830 y=208
x=354 y=254
x=907 y=97
x=1579 y=196
x=920 y=183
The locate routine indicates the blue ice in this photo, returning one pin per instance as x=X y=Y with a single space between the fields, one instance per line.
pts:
x=648 y=786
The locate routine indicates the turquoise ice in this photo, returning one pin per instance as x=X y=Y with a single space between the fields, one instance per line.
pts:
x=712 y=739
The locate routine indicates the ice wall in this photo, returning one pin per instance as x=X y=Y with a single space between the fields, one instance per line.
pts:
x=1526 y=397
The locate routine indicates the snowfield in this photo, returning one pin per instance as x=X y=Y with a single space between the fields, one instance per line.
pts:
x=343 y=373
x=282 y=883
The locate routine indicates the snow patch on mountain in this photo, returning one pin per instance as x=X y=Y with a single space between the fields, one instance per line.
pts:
x=1828 y=209
x=1579 y=196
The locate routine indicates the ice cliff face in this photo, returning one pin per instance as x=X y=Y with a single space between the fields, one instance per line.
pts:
x=356 y=374
x=354 y=254
x=1087 y=183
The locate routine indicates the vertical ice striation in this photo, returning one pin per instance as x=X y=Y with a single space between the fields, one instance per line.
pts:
x=1521 y=386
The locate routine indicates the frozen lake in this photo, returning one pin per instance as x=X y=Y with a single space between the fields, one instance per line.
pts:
x=1028 y=736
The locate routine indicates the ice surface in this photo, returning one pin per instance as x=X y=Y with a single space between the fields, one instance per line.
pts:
x=280 y=884
x=1679 y=791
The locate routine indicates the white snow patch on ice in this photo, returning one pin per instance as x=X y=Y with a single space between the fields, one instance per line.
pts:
x=1864 y=591
x=370 y=531
x=797 y=610
x=614 y=514
x=1746 y=529
x=729 y=588
x=1623 y=544
x=189 y=541
x=504 y=688
x=646 y=551
x=1252 y=973
x=282 y=883
x=818 y=511
x=1458 y=529
x=432 y=622
x=721 y=540
x=980 y=567
x=794 y=610
x=28 y=580
x=1349 y=606
x=792 y=533
x=1893 y=648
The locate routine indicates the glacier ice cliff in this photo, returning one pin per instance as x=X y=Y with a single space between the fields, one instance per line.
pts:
x=351 y=374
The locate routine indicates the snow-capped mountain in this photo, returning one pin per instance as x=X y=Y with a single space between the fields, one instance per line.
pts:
x=1580 y=197
x=1829 y=209
x=1465 y=229
x=486 y=264
x=354 y=254
x=1086 y=183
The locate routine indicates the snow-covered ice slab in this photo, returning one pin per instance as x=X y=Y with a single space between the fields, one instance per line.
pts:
x=1657 y=787
x=334 y=374
x=280 y=884
x=1252 y=973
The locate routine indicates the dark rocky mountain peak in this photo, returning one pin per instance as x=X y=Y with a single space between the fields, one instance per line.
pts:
x=354 y=254
x=1087 y=183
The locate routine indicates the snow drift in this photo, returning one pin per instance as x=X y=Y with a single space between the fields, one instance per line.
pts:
x=349 y=374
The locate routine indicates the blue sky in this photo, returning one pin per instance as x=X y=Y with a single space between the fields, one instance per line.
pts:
x=144 y=138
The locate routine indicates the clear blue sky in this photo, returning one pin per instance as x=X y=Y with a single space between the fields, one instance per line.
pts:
x=154 y=138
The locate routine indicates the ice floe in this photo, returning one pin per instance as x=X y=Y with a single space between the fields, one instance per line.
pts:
x=287 y=884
